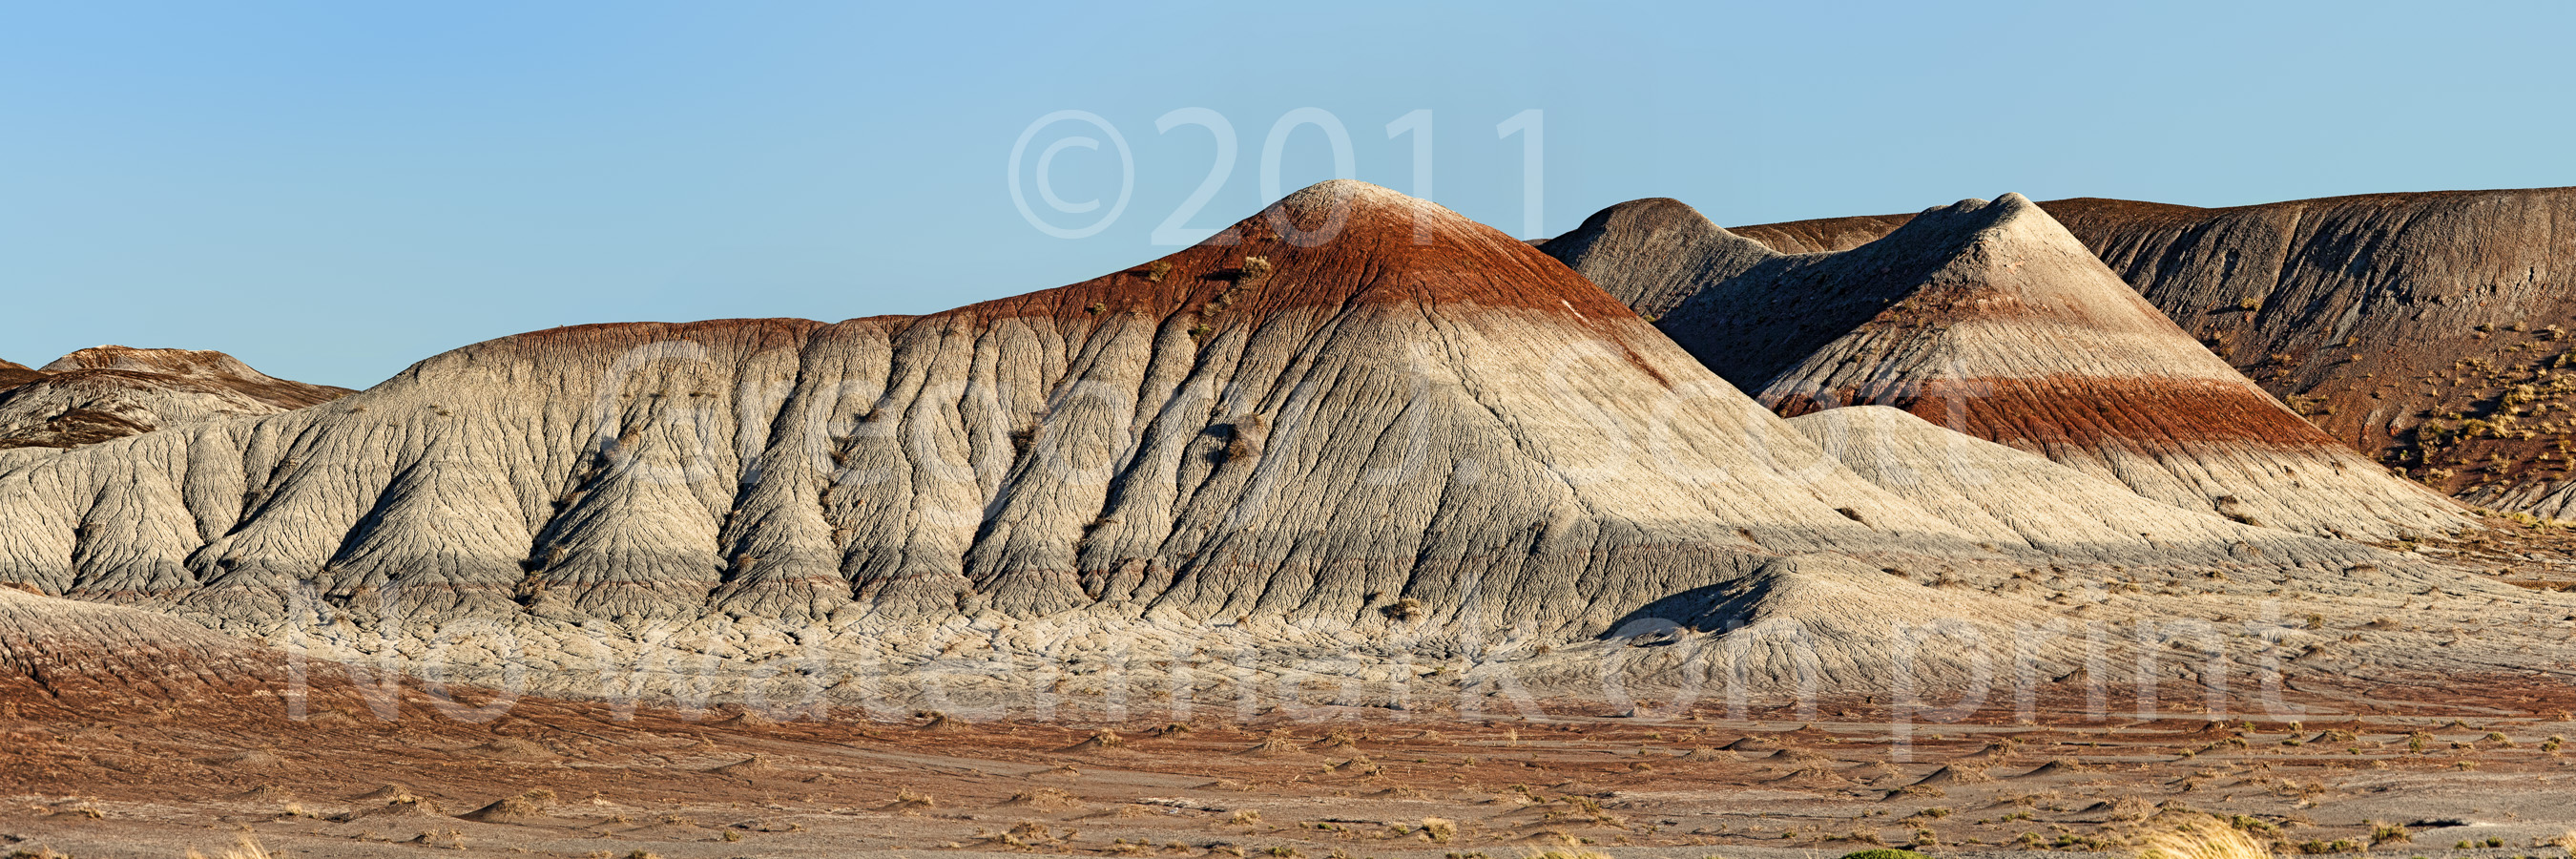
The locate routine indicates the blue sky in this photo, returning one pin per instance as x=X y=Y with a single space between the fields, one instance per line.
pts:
x=335 y=190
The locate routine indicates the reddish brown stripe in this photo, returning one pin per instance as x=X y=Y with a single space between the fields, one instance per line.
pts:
x=2147 y=414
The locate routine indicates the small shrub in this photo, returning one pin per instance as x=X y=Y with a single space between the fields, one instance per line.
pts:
x=1256 y=268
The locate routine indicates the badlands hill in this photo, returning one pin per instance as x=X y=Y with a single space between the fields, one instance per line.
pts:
x=111 y=392
x=1310 y=424
x=1312 y=446
x=1989 y=318
x=2425 y=329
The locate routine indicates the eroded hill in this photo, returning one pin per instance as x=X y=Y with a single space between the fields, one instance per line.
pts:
x=2427 y=330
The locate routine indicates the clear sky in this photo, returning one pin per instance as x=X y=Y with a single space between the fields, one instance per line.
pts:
x=333 y=190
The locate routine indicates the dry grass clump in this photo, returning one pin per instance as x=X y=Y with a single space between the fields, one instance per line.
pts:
x=1276 y=746
x=1439 y=829
x=2203 y=839
x=1043 y=799
x=530 y=807
x=1027 y=834
x=1098 y=741
x=2132 y=809
x=1256 y=268
x=908 y=798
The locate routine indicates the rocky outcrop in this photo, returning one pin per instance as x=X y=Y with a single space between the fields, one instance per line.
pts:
x=1991 y=319
x=111 y=392
x=2427 y=330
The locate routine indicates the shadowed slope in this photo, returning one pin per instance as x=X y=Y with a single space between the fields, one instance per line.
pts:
x=1662 y=250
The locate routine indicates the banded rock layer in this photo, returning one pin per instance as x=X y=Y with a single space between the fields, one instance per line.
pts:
x=2425 y=329
x=1990 y=319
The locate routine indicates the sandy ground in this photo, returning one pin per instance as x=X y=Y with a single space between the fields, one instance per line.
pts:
x=2482 y=771
x=2431 y=766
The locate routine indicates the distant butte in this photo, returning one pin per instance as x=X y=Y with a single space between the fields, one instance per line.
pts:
x=1989 y=318
x=110 y=392
x=2427 y=330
